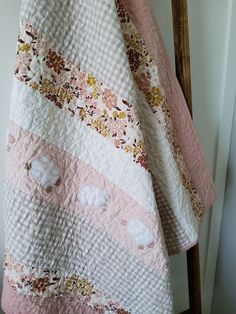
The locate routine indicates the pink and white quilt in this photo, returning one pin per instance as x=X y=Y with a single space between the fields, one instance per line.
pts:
x=105 y=174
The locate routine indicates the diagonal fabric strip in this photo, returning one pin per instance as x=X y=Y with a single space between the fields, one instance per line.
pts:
x=141 y=13
x=105 y=175
x=14 y=302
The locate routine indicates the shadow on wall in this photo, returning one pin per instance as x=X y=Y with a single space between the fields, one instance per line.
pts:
x=224 y=300
x=9 y=12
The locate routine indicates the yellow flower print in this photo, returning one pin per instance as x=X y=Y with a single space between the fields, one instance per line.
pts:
x=154 y=97
x=65 y=95
x=128 y=149
x=34 y=85
x=47 y=88
x=69 y=283
x=122 y=115
x=119 y=115
x=84 y=287
x=82 y=114
x=79 y=285
x=139 y=148
x=95 y=94
x=105 y=113
x=132 y=41
x=91 y=80
x=99 y=125
x=24 y=47
x=105 y=132
x=188 y=184
x=114 y=114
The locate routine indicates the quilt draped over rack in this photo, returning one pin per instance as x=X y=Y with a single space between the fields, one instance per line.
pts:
x=105 y=175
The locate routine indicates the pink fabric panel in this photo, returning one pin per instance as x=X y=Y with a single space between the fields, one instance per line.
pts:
x=74 y=173
x=15 y=303
x=140 y=13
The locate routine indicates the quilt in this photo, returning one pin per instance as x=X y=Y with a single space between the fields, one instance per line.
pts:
x=105 y=174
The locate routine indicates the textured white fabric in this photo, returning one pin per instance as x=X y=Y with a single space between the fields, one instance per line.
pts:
x=44 y=170
x=140 y=232
x=93 y=196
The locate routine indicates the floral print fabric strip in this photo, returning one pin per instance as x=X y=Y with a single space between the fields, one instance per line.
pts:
x=78 y=92
x=45 y=283
x=145 y=73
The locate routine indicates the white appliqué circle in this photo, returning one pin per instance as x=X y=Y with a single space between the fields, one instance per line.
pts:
x=45 y=171
x=92 y=196
x=140 y=232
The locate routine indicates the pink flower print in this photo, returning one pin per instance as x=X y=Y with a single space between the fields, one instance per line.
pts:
x=92 y=106
x=78 y=79
x=97 y=111
x=109 y=98
x=117 y=127
x=23 y=62
x=38 y=46
x=73 y=82
x=31 y=32
x=132 y=117
x=117 y=143
x=82 y=87
x=81 y=76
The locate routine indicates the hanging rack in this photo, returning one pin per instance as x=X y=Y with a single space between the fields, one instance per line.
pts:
x=183 y=73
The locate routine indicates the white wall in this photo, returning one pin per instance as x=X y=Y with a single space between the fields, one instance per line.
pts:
x=211 y=35
x=9 y=11
x=209 y=28
x=224 y=300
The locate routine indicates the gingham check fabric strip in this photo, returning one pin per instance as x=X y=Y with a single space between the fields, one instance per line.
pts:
x=90 y=35
x=175 y=236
